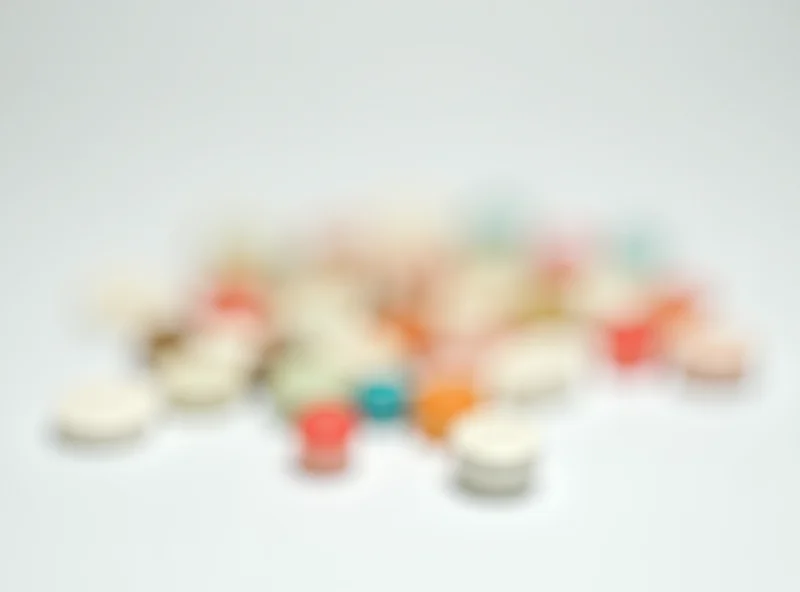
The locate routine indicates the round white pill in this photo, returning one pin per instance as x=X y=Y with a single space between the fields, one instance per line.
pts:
x=494 y=452
x=134 y=304
x=303 y=380
x=223 y=349
x=528 y=365
x=605 y=293
x=106 y=412
x=477 y=299
x=192 y=381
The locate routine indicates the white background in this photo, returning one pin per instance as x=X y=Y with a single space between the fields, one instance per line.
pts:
x=125 y=125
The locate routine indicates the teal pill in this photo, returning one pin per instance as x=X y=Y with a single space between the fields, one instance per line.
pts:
x=383 y=399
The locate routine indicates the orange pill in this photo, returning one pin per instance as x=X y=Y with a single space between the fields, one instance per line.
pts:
x=411 y=330
x=442 y=402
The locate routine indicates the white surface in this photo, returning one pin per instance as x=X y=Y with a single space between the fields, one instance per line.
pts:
x=122 y=125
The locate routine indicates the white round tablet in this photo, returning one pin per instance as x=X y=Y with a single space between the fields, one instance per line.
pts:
x=106 y=412
x=478 y=299
x=605 y=293
x=133 y=304
x=189 y=380
x=223 y=349
x=494 y=451
x=302 y=380
x=528 y=365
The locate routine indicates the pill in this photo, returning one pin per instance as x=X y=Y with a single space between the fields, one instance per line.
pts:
x=109 y=411
x=631 y=341
x=304 y=380
x=190 y=380
x=384 y=398
x=441 y=402
x=495 y=452
x=325 y=431
x=604 y=293
x=478 y=299
x=411 y=330
x=530 y=364
x=713 y=354
x=163 y=342
x=223 y=349
x=134 y=304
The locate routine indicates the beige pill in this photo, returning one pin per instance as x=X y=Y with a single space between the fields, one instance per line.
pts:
x=530 y=364
x=495 y=452
x=134 y=304
x=711 y=354
x=193 y=380
x=107 y=411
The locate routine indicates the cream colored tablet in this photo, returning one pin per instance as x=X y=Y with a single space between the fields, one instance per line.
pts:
x=359 y=350
x=106 y=411
x=302 y=380
x=495 y=452
x=222 y=349
x=189 y=380
x=134 y=304
x=711 y=353
x=478 y=299
x=527 y=365
x=604 y=293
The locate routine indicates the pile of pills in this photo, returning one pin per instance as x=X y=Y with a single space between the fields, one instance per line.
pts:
x=456 y=333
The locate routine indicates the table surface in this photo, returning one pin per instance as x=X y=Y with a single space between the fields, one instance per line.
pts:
x=126 y=128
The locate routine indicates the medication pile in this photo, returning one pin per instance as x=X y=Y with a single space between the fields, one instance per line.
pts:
x=457 y=333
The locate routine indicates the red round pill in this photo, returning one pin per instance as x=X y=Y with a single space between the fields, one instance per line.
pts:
x=326 y=430
x=631 y=342
x=237 y=299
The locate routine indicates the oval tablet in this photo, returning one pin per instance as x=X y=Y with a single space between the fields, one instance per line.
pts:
x=106 y=412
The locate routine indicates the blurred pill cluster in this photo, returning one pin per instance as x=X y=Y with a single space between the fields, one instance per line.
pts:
x=456 y=328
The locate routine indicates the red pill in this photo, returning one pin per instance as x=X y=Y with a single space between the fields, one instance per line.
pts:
x=325 y=431
x=631 y=342
x=237 y=299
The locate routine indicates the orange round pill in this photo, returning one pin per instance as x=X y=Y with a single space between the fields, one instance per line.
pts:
x=442 y=402
x=411 y=330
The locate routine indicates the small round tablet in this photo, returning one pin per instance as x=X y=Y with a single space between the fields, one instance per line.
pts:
x=325 y=430
x=495 y=452
x=606 y=293
x=106 y=412
x=383 y=398
x=531 y=364
x=133 y=304
x=304 y=380
x=712 y=354
x=223 y=349
x=189 y=380
x=440 y=403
